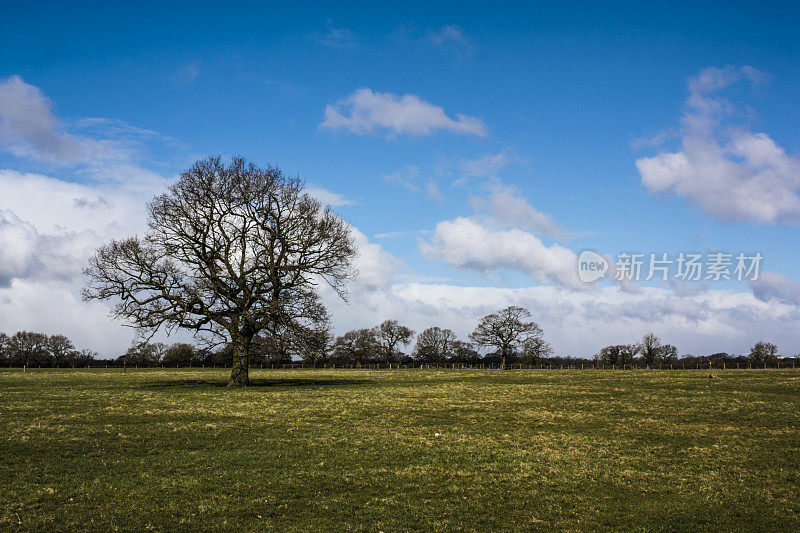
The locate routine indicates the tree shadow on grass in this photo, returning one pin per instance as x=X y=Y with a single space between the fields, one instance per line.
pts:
x=258 y=383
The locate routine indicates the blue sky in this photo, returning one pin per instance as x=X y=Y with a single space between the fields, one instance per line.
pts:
x=446 y=123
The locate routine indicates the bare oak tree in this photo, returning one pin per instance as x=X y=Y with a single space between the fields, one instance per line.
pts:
x=390 y=334
x=60 y=349
x=28 y=348
x=508 y=331
x=763 y=352
x=534 y=349
x=650 y=348
x=230 y=250
x=4 y=352
x=435 y=345
x=618 y=354
x=355 y=347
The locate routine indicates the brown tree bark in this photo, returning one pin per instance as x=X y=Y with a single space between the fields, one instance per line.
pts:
x=240 y=369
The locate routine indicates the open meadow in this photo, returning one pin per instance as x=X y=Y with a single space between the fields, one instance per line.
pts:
x=352 y=449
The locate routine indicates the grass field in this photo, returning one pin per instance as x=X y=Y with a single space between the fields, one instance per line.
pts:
x=332 y=450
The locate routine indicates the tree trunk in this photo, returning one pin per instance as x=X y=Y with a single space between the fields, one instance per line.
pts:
x=240 y=369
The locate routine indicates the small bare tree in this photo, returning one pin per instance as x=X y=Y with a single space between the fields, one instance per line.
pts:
x=28 y=348
x=230 y=250
x=764 y=352
x=534 y=349
x=3 y=348
x=390 y=334
x=507 y=331
x=618 y=354
x=435 y=345
x=356 y=347
x=650 y=348
x=60 y=349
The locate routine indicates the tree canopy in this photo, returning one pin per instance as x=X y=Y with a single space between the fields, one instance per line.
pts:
x=230 y=251
x=508 y=331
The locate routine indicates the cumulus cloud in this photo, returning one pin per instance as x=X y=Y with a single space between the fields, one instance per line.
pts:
x=465 y=243
x=375 y=267
x=505 y=233
x=50 y=227
x=29 y=129
x=326 y=197
x=579 y=323
x=25 y=254
x=53 y=205
x=730 y=172
x=508 y=207
x=773 y=286
x=54 y=307
x=100 y=149
x=366 y=112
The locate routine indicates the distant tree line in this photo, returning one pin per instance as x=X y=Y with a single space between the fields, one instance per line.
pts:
x=508 y=336
x=650 y=351
x=28 y=348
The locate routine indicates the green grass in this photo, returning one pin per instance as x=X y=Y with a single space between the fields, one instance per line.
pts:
x=335 y=450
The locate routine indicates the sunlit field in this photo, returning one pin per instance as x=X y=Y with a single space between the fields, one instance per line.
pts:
x=351 y=449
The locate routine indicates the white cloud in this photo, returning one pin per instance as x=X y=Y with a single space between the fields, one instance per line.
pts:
x=107 y=150
x=28 y=129
x=579 y=323
x=28 y=255
x=731 y=173
x=465 y=243
x=407 y=177
x=508 y=208
x=411 y=178
x=432 y=191
x=488 y=165
x=389 y=235
x=55 y=307
x=50 y=227
x=335 y=37
x=326 y=197
x=364 y=112
x=17 y=249
x=773 y=286
x=375 y=267
x=54 y=205
x=449 y=35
